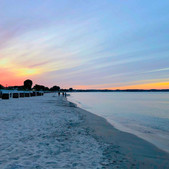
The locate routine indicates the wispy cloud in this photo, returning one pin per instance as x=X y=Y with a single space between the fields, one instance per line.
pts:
x=103 y=44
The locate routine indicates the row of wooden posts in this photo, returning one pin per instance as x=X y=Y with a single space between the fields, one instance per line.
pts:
x=8 y=95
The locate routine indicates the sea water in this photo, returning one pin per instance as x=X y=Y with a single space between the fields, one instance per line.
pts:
x=145 y=114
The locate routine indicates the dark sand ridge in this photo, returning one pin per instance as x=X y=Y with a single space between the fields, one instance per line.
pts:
x=125 y=149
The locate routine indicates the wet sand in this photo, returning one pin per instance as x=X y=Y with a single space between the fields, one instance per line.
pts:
x=124 y=149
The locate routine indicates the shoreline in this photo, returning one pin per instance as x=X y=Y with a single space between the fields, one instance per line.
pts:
x=148 y=130
x=51 y=132
x=138 y=152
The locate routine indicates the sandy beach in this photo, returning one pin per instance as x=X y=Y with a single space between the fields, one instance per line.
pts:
x=48 y=132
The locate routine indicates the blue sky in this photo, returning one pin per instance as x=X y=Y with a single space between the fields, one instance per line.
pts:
x=85 y=44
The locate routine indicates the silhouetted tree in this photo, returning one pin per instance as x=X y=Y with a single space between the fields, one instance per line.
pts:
x=46 y=88
x=70 y=89
x=39 y=87
x=64 y=90
x=1 y=87
x=28 y=84
x=55 y=88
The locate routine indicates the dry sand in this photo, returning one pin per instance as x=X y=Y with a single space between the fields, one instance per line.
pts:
x=49 y=132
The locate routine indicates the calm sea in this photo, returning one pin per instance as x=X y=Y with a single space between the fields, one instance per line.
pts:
x=143 y=114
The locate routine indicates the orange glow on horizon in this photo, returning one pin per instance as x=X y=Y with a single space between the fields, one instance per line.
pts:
x=12 y=82
x=158 y=85
x=13 y=74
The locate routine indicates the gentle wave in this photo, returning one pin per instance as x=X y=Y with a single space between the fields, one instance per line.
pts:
x=143 y=114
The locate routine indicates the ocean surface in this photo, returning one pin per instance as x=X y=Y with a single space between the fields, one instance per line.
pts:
x=145 y=114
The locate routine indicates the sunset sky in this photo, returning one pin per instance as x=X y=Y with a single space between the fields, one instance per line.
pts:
x=113 y=44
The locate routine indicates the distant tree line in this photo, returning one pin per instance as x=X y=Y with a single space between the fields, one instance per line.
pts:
x=44 y=88
x=27 y=85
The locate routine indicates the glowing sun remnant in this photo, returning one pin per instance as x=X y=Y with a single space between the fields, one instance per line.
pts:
x=27 y=71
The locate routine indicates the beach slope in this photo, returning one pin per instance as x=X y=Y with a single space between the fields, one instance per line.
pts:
x=125 y=147
x=50 y=132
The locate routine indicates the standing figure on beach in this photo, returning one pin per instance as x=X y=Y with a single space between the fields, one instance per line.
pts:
x=63 y=94
x=58 y=93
